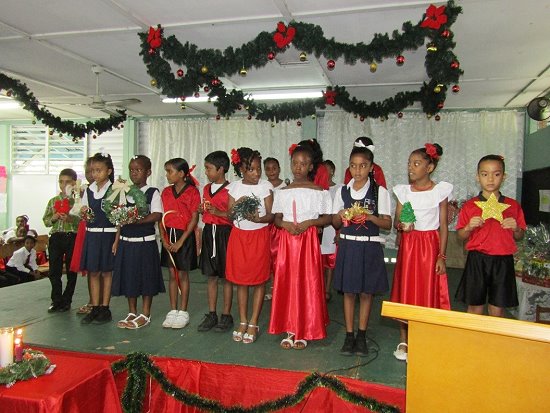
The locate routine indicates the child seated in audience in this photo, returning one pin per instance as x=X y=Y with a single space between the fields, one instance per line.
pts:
x=22 y=263
x=18 y=232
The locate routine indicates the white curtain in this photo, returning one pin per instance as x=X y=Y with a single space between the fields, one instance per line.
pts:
x=196 y=138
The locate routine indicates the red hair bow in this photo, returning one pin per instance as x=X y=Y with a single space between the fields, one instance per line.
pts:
x=195 y=181
x=235 y=158
x=155 y=37
x=61 y=206
x=431 y=150
x=435 y=17
x=291 y=148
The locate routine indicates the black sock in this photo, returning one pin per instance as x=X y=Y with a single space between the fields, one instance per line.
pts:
x=213 y=313
x=349 y=334
x=361 y=333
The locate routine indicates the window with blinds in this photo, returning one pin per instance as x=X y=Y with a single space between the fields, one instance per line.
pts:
x=35 y=151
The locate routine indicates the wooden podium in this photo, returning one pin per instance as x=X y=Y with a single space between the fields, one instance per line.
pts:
x=461 y=362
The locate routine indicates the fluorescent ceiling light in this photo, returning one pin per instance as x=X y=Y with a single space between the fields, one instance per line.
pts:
x=260 y=95
x=9 y=105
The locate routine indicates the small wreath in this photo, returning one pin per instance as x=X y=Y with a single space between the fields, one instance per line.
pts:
x=33 y=364
x=120 y=212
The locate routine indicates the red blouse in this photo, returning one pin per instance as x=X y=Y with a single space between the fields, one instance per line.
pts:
x=184 y=204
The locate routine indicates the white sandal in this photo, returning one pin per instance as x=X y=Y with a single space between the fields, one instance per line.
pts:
x=238 y=335
x=300 y=347
x=400 y=353
x=134 y=324
x=251 y=338
x=124 y=323
x=288 y=342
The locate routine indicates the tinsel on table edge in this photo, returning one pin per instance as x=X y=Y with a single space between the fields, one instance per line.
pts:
x=139 y=365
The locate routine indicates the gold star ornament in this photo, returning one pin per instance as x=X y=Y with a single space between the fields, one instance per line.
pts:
x=492 y=208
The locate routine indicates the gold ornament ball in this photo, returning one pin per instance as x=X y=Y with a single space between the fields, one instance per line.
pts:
x=204 y=70
x=372 y=67
x=183 y=106
x=303 y=57
x=272 y=125
x=153 y=82
x=437 y=89
x=431 y=47
x=33 y=122
x=313 y=116
x=243 y=72
x=51 y=132
x=209 y=100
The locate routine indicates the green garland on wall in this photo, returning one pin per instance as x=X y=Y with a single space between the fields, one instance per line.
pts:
x=203 y=67
x=20 y=92
x=139 y=365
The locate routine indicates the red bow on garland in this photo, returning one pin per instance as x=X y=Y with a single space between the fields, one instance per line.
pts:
x=61 y=206
x=435 y=17
x=431 y=150
x=155 y=37
x=284 y=35
x=330 y=96
x=235 y=158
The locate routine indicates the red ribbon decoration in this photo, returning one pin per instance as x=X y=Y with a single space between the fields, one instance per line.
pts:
x=330 y=96
x=284 y=35
x=431 y=150
x=195 y=180
x=291 y=148
x=61 y=206
x=435 y=17
x=155 y=37
x=235 y=158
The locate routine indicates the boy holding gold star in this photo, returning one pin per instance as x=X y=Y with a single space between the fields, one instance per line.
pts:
x=492 y=223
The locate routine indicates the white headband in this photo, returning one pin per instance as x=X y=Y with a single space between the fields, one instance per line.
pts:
x=360 y=144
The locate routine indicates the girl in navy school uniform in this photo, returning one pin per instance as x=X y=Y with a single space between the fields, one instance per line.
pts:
x=360 y=268
x=180 y=202
x=97 y=253
x=137 y=259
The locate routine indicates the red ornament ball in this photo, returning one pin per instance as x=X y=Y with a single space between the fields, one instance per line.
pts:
x=331 y=64
x=197 y=95
x=362 y=118
x=180 y=73
x=218 y=117
x=271 y=55
x=9 y=93
x=440 y=105
x=446 y=33
x=94 y=137
x=400 y=115
x=121 y=125
x=456 y=89
x=437 y=118
x=182 y=98
x=455 y=64
x=215 y=82
x=299 y=123
x=206 y=89
x=400 y=60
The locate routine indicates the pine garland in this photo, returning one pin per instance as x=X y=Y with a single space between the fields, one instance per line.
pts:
x=139 y=365
x=20 y=92
x=205 y=66
x=119 y=214
x=33 y=364
x=245 y=207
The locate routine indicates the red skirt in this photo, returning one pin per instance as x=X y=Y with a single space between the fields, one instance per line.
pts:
x=248 y=258
x=414 y=279
x=275 y=234
x=329 y=260
x=299 y=304
x=77 y=249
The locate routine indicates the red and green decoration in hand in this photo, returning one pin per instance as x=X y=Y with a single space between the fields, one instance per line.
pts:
x=20 y=92
x=204 y=67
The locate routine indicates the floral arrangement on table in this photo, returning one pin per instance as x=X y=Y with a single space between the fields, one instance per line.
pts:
x=356 y=214
x=533 y=256
x=244 y=207
x=33 y=364
x=407 y=217
x=116 y=207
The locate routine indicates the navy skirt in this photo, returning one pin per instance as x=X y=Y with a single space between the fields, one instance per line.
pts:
x=97 y=252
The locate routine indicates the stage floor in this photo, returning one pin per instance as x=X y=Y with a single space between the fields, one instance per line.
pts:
x=26 y=305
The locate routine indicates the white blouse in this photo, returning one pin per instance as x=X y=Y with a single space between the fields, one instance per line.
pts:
x=425 y=203
x=262 y=190
x=97 y=194
x=384 y=199
x=310 y=203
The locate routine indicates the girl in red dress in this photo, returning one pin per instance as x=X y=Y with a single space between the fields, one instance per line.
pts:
x=420 y=276
x=299 y=308
x=248 y=253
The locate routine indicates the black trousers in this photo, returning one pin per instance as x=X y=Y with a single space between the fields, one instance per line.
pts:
x=22 y=276
x=7 y=279
x=60 y=247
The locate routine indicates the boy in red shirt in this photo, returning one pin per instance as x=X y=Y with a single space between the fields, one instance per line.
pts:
x=492 y=228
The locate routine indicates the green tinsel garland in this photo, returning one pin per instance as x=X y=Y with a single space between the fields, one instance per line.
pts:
x=204 y=66
x=20 y=92
x=139 y=365
x=245 y=207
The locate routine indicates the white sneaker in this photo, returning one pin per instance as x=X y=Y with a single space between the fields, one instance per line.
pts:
x=170 y=317
x=181 y=319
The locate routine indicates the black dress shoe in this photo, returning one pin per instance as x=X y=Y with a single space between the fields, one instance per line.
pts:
x=64 y=308
x=53 y=308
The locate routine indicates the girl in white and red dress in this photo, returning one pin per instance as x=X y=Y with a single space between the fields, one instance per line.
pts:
x=248 y=256
x=420 y=276
x=299 y=307
x=180 y=202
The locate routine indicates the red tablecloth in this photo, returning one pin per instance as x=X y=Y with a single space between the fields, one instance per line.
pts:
x=78 y=384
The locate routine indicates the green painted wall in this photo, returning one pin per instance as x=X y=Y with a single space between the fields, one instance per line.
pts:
x=536 y=150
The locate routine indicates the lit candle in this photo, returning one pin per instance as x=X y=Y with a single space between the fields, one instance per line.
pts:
x=19 y=335
x=18 y=350
x=6 y=346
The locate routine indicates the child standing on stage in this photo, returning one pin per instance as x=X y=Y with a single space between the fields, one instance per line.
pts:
x=215 y=237
x=180 y=202
x=299 y=308
x=97 y=253
x=61 y=242
x=420 y=276
x=366 y=142
x=137 y=260
x=328 y=242
x=248 y=258
x=489 y=275
x=360 y=268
